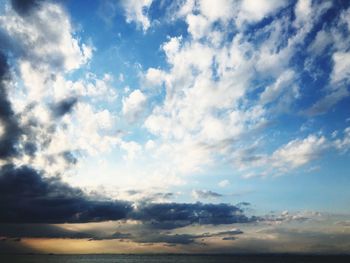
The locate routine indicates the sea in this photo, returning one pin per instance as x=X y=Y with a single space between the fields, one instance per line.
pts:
x=173 y=258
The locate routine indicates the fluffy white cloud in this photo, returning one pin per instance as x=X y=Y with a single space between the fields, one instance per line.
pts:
x=198 y=26
x=341 y=70
x=134 y=105
x=254 y=11
x=299 y=152
x=132 y=149
x=215 y=10
x=154 y=77
x=224 y=183
x=136 y=11
x=37 y=38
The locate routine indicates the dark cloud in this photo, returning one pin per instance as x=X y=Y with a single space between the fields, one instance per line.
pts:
x=69 y=157
x=8 y=122
x=174 y=215
x=63 y=107
x=165 y=238
x=228 y=238
x=30 y=148
x=27 y=197
x=24 y=7
x=156 y=236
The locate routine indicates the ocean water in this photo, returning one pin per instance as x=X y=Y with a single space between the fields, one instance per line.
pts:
x=171 y=259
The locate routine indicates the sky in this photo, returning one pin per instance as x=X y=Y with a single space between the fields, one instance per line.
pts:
x=185 y=126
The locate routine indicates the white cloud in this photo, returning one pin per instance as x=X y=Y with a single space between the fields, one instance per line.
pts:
x=136 y=11
x=132 y=149
x=343 y=144
x=299 y=152
x=224 y=183
x=154 y=77
x=38 y=39
x=302 y=12
x=215 y=10
x=198 y=26
x=341 y=70
x=205 y=194
x=254 y=11
x=134 y=105
x=283 y=82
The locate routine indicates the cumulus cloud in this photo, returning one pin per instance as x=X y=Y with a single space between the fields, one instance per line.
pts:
x=35 y=36
x=133 y=105
x=136 y=11
x=299 y=151
x=252 y=11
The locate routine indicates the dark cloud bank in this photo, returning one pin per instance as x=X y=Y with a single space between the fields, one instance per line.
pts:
x=26 y=196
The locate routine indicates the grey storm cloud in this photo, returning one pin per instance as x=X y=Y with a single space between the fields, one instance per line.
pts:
x=8 y=122
x=156 y=236
x=24 y=7
x=174 y=215
x=63 y=107
x=26 y=196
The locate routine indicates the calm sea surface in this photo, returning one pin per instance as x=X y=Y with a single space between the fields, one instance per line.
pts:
x=170 y=258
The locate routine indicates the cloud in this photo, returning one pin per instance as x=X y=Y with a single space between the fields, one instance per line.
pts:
x=24 y=7
x=35 y=36
x=28 y=197
x=253 y=11
x=174 y=215
x=136 y=11
x=146 y=235
x=341 y=69
x=64 y=106
x=327 y=102
x=205 y=194
x=299 y=152
x=133 y=105
x=282 y=83
x=343 y=144
x=8 y=121
x=284 y=159
x=224 y=183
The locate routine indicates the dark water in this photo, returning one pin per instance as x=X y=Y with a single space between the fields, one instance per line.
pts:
x=171 y=258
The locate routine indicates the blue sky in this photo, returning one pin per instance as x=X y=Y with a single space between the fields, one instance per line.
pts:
x=155 y=102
